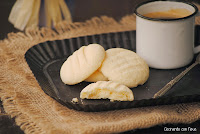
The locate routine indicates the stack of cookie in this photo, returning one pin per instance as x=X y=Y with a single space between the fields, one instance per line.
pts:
x=114 y=71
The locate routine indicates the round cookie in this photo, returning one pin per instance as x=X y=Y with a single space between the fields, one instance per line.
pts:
x=96 y=76
x=125 y=67
x=107 y=90
x=82 y=63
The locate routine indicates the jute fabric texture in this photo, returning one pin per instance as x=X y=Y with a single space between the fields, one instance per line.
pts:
x=37 y=113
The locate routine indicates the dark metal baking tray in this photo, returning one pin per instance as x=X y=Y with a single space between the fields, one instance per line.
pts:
x=45 y=60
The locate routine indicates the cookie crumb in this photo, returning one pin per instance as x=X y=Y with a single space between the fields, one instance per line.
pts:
x=74 y=100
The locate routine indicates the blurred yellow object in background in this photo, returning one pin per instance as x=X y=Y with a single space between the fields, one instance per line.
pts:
x=25 y=13
x=34 y=19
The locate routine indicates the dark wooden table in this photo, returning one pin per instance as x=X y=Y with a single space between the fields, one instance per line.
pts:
x=82 y=10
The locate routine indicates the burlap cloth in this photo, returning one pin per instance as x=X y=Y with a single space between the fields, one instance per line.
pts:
x=37 y=113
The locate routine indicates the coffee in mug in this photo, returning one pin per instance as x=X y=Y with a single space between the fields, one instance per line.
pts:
x=163 y=40
x=169 y=14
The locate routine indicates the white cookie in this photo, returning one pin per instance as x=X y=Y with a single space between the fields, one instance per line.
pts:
x=82 y=63
x=125 y=67
x=107 y=90
x=96 y=76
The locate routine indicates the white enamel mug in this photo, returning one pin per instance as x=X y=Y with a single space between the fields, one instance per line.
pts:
x=165 y=43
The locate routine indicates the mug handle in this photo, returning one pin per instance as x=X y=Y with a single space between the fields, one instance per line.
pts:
x=197 y=49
